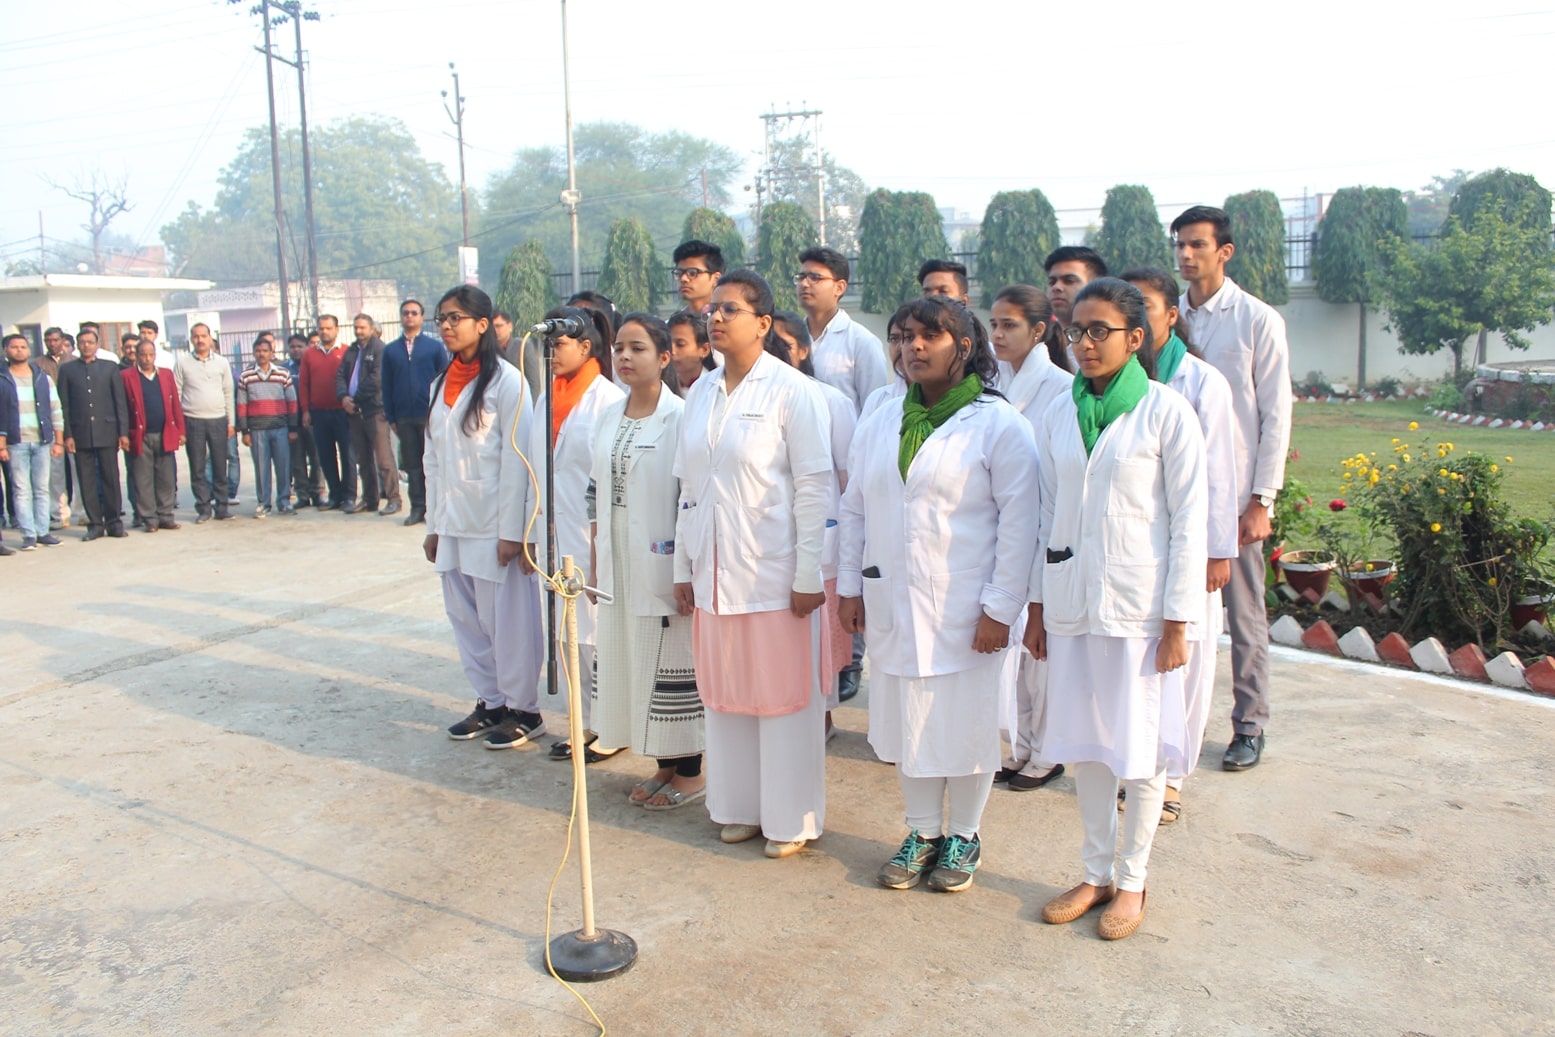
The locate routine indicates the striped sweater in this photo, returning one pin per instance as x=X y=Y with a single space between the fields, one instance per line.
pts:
x=266 y=399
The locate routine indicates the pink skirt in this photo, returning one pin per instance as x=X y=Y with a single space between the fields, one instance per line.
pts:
x=841 y=641
x=762 y=664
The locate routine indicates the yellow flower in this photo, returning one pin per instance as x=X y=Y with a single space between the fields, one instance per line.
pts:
x=1491 y=581
x=1375 y=478
x=1509 y=460
x=1440 y=452
x=1450 y=447
x=1495 y=468
x=1413 y=425
x=1392 y=467
x=1348 y=475
x=1395 y=440
x=1406 y=458
x=1436 y=527
x=1441 y=471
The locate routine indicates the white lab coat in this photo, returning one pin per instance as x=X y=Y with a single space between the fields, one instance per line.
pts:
x=755 y=472
x=1133 y=515
x=1036 y=385
x=895 y=389
x=844 y=419
x=849 y=356
x=652 y=494
x=951 y=543
x=573 y=462
x=1209 y=394
x=478 y=488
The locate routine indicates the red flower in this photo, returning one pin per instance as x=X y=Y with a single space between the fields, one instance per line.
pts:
x=1337 y=505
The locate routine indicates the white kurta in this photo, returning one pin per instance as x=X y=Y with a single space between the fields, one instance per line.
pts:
x=573 y=461
x=930 y=556
x=1122 y=550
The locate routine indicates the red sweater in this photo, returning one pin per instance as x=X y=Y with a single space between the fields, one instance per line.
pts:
x=316 y=379
x=173 y=411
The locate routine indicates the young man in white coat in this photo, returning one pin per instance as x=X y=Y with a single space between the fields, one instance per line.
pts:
x=1244 y=338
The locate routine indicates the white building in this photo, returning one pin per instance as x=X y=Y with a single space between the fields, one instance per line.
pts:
x=39 y=301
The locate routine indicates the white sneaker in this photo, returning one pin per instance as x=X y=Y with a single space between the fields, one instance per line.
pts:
x=739 y=833
x=261 y=512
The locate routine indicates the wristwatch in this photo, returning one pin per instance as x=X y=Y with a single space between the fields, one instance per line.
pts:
x=1266 y=502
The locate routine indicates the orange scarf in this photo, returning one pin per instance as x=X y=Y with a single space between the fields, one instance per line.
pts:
x=460 y=374
x=566 y=392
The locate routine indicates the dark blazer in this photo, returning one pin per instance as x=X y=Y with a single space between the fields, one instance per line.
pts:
x=92 y=394
x=369 y=389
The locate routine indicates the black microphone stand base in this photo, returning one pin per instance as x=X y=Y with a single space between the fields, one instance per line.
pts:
x=580 y=959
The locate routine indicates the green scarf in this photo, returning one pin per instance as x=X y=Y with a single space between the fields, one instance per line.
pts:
x=1170 y=358
x=919 y=422
x=1123 y=394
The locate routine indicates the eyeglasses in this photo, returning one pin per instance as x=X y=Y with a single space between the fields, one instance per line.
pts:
x=811 y=277
x=410 y=313
x=451 y=319
x=692 y=272
x=727 y=310
x=1096 y=333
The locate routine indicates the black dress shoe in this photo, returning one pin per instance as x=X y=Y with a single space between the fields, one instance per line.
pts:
x=1243 y=753
x=93 y=534
x=847 y=684
x=355 y=509
x=416 y=515
x=1027 y=782
x=391 y=508
x=117 y=531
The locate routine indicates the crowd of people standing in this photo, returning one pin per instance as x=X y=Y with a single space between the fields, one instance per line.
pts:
x=1032 y=533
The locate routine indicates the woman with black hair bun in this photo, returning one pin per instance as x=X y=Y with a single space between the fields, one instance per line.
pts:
x=480 y=499
x=938 y=527
x=1117 y=592
x=581 y=388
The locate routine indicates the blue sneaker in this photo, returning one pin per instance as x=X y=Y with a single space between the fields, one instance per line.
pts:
x=916 y=856
x=957 y=861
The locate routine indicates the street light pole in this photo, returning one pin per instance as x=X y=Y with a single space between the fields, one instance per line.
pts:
x=457 y=115
x=298 y=15
x=572 y=196
x=263 y=11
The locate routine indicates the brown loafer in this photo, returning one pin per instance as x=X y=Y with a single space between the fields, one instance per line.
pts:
x=1066 y=907
x=1112 y=926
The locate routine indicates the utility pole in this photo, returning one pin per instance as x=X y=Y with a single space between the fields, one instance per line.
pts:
x=457 y=115
x=780 y=178
x=43 y=253
x=293 y=10
x=263 y=10
x=572 y=196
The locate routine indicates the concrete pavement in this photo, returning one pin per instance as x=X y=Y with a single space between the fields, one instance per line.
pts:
x=229 y=807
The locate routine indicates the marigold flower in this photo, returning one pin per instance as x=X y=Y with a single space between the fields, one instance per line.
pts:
x=1436 y=527
x=1491 y=581
x=1413 y=425
x=1495 y=468
x=1509 y=460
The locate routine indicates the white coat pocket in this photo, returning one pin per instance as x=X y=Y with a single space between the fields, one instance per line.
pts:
x=879 y=617
x=1063 y=592
x=958 y=604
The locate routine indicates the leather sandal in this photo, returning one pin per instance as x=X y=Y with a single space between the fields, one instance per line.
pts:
x=1171 y=806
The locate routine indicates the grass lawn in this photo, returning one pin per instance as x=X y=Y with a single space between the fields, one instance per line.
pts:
x=1323 y=434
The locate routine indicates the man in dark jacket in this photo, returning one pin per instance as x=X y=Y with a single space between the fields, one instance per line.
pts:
x=97 y=427
x=359 y=385
x=411 y=363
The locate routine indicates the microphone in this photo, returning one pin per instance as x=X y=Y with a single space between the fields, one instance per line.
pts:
x=572 y=327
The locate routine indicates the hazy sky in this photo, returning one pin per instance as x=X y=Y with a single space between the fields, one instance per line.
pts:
x=959 y=99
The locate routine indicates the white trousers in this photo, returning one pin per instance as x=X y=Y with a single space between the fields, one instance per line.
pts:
x=1096 y=789
x=497 y=630
x=769 y=771
x=1198 y=683
x=925 y=800
x=1030 y=716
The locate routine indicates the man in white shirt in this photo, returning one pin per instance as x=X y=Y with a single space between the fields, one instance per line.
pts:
x=1069 y=268
x=945 y=277
x=845 y=354
x=698 y=267
x=1244 y=338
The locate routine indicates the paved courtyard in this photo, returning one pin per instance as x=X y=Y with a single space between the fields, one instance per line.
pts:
x=227 y=806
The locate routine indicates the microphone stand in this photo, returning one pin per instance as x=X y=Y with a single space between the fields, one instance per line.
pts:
x=548 y=352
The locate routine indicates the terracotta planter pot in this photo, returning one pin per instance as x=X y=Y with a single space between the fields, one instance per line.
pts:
x=1307 y=570
x=1372 y=577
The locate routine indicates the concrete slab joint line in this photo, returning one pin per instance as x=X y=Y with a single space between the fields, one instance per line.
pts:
x=1357 y=644
x=1430 y=656
x=1469 y=661
x=1286 y=631
x=1506 y=670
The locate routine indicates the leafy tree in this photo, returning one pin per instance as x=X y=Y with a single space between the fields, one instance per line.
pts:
x=716 y=228
x=1520 y=201
x=1351 y=249
x=791 y=170
x=1428 y=206
x=1258 y=227
x=1131 y=233
x=897 y=232
x=623 y=170
x=1470 y=282
x=1019 y=229
x=381 y=210
x=785 y=232
x=631 y=268
x=525 y=288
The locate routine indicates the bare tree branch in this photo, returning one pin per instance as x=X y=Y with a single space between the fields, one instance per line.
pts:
x=106 y=200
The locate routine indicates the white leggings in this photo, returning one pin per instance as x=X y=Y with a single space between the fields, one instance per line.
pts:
x=1096 y=789
x=925 y=799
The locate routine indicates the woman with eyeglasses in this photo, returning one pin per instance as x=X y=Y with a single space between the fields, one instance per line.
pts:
x=1018 y=326
x=580 y=390
x=646 y=694
x=480 y=498
x=939 y=523
x=693 y=353
x=755 y=469
x=1117 y=592
x=1180 y=365
x=789 y=332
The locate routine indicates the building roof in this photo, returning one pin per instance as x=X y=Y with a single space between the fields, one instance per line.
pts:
x=101 y=282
